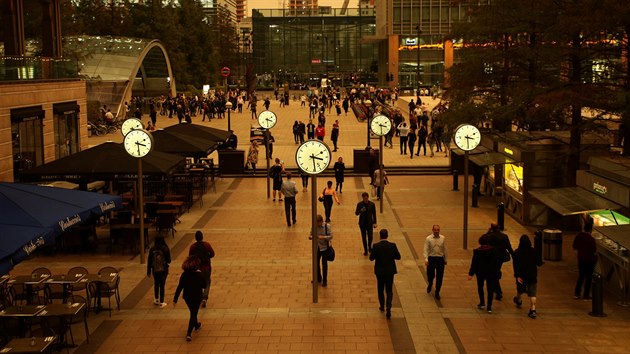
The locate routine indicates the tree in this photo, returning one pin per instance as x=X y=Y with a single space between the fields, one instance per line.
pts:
x=528 y=65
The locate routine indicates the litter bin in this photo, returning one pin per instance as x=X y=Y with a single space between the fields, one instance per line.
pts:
x=552 y=244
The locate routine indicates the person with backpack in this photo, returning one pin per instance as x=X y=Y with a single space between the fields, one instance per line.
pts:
x=204 y=252
x=157 y=265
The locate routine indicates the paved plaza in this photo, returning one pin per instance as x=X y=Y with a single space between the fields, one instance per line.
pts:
x=261 y=296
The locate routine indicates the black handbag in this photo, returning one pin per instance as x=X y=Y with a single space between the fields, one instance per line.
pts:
x=331 y=253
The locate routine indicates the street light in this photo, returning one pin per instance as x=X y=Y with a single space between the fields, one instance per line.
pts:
x=228 y=106
x=368 y=104
x=418 y=59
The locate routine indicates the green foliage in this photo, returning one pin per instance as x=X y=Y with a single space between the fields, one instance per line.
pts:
x=195 y=50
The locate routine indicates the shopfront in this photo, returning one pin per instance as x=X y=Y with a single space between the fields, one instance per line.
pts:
x=27 y=138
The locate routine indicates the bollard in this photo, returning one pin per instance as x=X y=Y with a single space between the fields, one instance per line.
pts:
x=597 y=307
x=501 y=216
x=455 y=180
x=538 y=248
x=475 y=195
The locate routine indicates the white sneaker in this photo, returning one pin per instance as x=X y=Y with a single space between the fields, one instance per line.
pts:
x=163 y=305
x=156 y=302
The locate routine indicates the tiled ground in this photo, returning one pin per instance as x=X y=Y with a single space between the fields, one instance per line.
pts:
x=262 y=302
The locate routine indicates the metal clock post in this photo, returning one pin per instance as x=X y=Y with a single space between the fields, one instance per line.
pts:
x=380 y=126
x=267 y=120
x=138 y=143
x=467 y=137
x=310 y=151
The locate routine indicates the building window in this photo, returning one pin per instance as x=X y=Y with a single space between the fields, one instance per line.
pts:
x=66 y=121
x=27 y=138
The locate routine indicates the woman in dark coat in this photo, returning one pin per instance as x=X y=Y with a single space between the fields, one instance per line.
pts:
x=193 y=284
x=485 y=265
x=157 y=265
x=526 y=273
x=339 y=168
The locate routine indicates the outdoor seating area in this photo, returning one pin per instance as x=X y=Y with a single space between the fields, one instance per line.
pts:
x=43 y=305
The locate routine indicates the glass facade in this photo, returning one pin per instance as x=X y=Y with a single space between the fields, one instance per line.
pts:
x=422 y=26
x=301 y=49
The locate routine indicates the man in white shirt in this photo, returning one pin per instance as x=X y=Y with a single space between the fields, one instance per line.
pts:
x=289 y=190
x=435 y=259
x=404 y=131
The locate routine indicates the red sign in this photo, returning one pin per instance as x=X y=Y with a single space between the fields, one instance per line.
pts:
x=316 y=61
x=225 y=71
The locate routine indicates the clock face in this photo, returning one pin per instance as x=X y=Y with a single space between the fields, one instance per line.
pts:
x=381 y=125
x=267 y=119
x=138 y=143
x=129 y=125
x=467 y=137
x=313 y=157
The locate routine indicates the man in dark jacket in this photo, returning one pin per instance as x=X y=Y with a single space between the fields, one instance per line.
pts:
x=204 y=252
x=366 y=210
x=586 y=249
x=485 y=266
x=501 y=243
x=385 y=254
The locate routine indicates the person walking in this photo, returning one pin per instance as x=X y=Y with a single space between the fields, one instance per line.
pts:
x=327 y=196
x=301 y=131
x=435 y=255
x=252 y=156
x=334 y=134
x=320 y=132
x=403 y=131
x=340 y=169
x=204 y=253
x=296 y=132
x=526 y=274
x=385 y=254
x=411 y=140
x=586 y=248
x=324 y=235
x=422 y=140
x=485 y=266
x=305 y=176
x=310 y=130
x=366 y=210
x=501 y=243
x=289 y=190
x=377 y=182
x=157 y=265
x=193 y=284
x=275 y=172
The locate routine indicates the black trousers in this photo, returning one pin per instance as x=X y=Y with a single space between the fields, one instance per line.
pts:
x=435 y=270
x=328 y=204
x=366 y=237
x=490 y=284
x=289 y=208
x=322 y=272
x=403 y=145
x=159 y=281
x=585 y=275
x=385 y=286
x=193 y=307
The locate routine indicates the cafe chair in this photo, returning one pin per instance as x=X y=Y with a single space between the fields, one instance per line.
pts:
x=166 y=222
x=38 y=273
x=6 y=297
x=53 y=292
x=80 y=317
x=75 y=273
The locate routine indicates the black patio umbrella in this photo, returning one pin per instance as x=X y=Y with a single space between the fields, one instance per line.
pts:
x=33 y=216
x=180 y=144
x=201 y=131
x=107 y=161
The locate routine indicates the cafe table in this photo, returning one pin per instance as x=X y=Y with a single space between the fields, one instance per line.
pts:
x=29 y=345
x=22 y=314
x=108 y=278
x=66 y=281
x=28 y=281
x=66 y=312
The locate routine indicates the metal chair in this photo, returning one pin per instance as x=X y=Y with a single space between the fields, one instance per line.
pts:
x=38 y=273
x=75 y=273
x=80 y=317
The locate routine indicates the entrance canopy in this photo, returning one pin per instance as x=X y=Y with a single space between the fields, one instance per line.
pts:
x=491 y=158
x=572 y=200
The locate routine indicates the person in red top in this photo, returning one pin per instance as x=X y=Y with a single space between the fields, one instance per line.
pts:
x=204 y=252
x=586 y=249
x=320 y=132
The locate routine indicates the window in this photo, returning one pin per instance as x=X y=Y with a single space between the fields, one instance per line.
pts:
x=27 y=138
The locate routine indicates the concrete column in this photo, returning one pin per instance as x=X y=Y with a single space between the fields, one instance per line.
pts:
x=51 y=29
x=13 y=23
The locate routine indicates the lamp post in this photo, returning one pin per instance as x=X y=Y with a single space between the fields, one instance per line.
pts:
x=419 y=32
x=368 y=104
x=228 y=107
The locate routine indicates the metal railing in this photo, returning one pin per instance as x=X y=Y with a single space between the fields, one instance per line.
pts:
x=37 y=68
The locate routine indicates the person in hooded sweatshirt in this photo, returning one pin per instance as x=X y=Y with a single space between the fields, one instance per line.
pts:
x=485 y=266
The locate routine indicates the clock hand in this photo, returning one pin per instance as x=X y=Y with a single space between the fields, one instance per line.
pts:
x=139 y=143
x=318 y=158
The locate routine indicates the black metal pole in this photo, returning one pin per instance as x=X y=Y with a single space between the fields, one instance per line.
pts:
x=314 y=233
x=597 y=305
x=501 y=216
x=455 y=180
x=267 y=158
x=465 y=200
